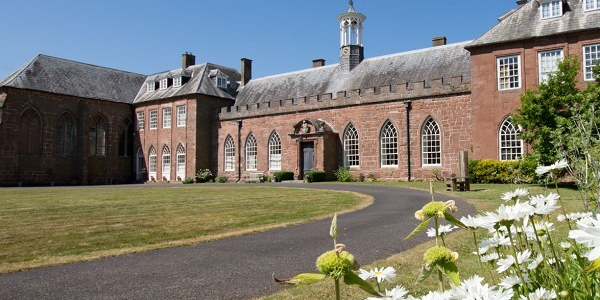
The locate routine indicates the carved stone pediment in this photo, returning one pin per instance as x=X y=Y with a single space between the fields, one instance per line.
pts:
x=310 y=127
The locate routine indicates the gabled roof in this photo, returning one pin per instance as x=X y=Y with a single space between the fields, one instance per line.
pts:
x=526 y=23
x=66 y=77
x=199 y=82
x=440 y=62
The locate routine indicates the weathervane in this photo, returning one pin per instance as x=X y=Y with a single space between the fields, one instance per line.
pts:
x=351 y=2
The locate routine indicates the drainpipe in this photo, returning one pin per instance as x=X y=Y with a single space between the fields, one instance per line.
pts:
x=239 y=160
x=408 y=107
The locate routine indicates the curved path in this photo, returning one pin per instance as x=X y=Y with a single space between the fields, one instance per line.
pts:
x=238 y=267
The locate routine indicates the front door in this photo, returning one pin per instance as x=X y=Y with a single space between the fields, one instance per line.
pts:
x=308 y=157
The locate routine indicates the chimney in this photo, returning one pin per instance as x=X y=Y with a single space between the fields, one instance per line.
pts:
x=521 y=2
x=439 y=41
x=246 y=71
x=318 y=63
x=187 y=59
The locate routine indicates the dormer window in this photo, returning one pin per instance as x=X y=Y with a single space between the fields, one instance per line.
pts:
x=150 y=86
x=164 y=84
x=177 y=81
x=551 y=8
x=222 y=82
x=592 y=4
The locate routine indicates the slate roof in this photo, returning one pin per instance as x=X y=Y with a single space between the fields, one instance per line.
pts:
x=201 y=82
x=66 y=77
x=526 y=23
x=440 y=62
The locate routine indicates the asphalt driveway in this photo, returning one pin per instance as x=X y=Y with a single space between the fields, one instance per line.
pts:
x=238 y=267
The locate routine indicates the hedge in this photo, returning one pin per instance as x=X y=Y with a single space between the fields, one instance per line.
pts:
x=279 y=176
x=315 y=176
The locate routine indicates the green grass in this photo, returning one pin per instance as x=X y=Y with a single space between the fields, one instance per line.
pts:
x=48 y=226
x=485 y=197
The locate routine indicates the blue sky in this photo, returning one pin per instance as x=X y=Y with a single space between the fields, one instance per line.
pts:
x=278 y=35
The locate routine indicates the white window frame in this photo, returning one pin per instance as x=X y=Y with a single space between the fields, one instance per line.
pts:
x=508 y=72
x=229 y=164
x=591 y=58
x=548 y=63
x=166 y=164
x=351 y=147
x=150 y=86
x=592 y=5
x=180 y=162
x=431 y=143
x=140 y=120
x=177 y=81
x=221 y=82
x=152 y=163
x=166 y=119
x=251 y=153
x=509 y=145
x=388 y=144
x=164 y=84
x=551 y=9
x=274 y=152
x=181 y=115
x=153 y=124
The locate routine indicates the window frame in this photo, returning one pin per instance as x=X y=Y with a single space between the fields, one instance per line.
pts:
x=98 y=137
x=390 y=158
x=180 y=161
x=251 y=153
x=506 y=61
x=543 y=61
x=67 y=135
x=150 y=87
x=590 y=63
x=274 y=152
x=221 y=82
x=177 y=81
x=152 y=162
x=166 y=163
x=164 y=84
x=153 y=122
x=550 y=7
x=508 y=133
x=596 y=5
x=166 y=117
x=431 y=143
x=351 y=147
x=140 y=121
x=181 y=116
x=229 y=154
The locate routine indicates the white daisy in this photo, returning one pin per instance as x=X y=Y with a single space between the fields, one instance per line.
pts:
x=588 y=234
x=541 y=170
x=544 y=205
x=396 y=293
x=507 y=214
x=505 y=263
x=490 y=257
x=574 y=216
x=540 y=294
x=387 y=273
x=514 y=195
x=442 y=230
x=535 y=262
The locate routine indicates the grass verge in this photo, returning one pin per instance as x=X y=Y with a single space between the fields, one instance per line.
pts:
x=49 y=226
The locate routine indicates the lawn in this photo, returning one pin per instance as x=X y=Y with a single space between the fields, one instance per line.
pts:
x=485 y=197
x=49 y=226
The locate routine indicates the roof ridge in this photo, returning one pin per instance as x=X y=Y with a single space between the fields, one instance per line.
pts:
x=88 y=64
x=15 y=74
x=420 y=50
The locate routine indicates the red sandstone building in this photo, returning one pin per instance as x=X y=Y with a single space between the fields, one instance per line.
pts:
x=399 y=116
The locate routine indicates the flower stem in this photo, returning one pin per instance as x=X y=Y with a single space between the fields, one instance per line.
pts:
x=337 y=290
x=517 y=266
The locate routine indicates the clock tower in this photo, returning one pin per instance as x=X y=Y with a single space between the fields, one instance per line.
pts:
x=351 y=36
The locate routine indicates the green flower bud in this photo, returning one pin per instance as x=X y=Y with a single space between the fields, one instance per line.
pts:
x=434 y=209
x=335 y=264
x=439 y=255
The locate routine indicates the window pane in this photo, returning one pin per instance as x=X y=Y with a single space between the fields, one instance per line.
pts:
x=181 y=116
x=251 y=152
x=153 y=119
x=508 y=73
x=548 y=63
x=511 y=147
x=351 y=149
x=431 y=143
x=389 y=145
x=274 y=152
x=591 y=56
x=229 y=154
x=167 y=117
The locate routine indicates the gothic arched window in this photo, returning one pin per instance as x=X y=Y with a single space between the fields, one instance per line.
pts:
x=431 y=143
x=229 y=154
x=511 y=147
x=251 y=152
x=274 y=151
x=389 y=145
x=351 y=149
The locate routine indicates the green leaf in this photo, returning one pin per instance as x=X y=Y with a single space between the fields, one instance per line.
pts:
x=451 y=271
x=454 y=221
x=333 y=231
x=593 y=266
x=352 y=279
x=304 y=278
x=425 y=272
x=419 y=228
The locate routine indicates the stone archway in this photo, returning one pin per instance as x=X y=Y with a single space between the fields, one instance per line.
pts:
x=318 y=147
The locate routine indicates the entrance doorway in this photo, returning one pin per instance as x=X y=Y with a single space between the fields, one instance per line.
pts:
x=308 y=157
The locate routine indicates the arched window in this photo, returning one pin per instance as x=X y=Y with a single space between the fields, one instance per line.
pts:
x=166 y=163
x=389 y=145
x=30 y=132
x=274 y=151
x=431 y=143
x=181 y=161
x=511 y=147
x=351 y=150
x=251 y=152
x=152 y=163
x=98 y=137
x=229 y=154
x=66 y=132
x=126 y=139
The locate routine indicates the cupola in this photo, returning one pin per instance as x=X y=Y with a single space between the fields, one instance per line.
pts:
x=351 y=38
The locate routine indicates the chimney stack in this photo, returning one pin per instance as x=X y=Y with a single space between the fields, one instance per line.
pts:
x=522 y=2
x=187 y=59
x=318 y=63
x=246 y=71
x=439 y=41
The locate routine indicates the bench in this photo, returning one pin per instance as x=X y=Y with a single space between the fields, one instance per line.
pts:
x=454 y=184
x=255 y=177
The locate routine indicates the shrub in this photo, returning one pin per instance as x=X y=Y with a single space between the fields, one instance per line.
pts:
x=204 y=176
x=315 y=176
x=493 y=171
x=188 y=180
x=372 y=177
x=221 y=179
x=343 y=174
x=279 y=176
